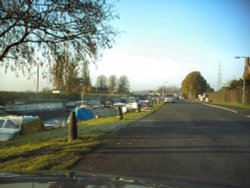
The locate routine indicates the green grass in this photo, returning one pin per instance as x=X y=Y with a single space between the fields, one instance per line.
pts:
x=50 y=150
x=247 y=106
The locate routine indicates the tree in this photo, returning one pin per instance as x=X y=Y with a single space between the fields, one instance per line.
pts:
x=238 y=84
x=112 y=83
x=101 y=83
x=36 y=30
x=123 y=85
x=57 y=72
x=209 y=89
x=46 y=90
x=65 y=74
x=72 y=81
x=194 y=84
x=85 y=81
x=168 y=90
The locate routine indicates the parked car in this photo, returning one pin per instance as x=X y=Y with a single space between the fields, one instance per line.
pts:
x=169 y=99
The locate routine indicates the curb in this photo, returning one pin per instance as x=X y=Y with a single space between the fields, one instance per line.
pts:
x=228 y=109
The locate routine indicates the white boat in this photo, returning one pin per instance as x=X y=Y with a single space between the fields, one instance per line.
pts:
x=12 y=125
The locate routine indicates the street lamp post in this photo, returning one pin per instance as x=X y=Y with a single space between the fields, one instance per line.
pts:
x=37 y=78
x=244 y=79
x=162 y=91
x=163 y=88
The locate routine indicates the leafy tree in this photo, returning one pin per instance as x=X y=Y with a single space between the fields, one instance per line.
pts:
x=238 y=84
x=112 y=83
x=194 y=84
x=36 y=30
x=209 y=89
x=123 y=85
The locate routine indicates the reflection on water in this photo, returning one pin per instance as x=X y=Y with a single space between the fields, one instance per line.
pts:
x=77 y=184
x=65 y=180
x=25 y=185
x=55 y=122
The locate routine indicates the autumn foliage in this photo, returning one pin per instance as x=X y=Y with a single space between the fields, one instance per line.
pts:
x=193 y=85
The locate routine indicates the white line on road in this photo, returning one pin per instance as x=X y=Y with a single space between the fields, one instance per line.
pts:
x=234 y=111
x=221 y=108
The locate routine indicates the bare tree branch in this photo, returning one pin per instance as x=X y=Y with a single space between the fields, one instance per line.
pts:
x=30 y=27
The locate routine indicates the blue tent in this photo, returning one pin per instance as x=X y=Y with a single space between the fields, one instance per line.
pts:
x=83 y=114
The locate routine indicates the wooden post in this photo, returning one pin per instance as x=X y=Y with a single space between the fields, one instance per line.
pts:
x=120 y=112
x=72 y=129
x=138 y=108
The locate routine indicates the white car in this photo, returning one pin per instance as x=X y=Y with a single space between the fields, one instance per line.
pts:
x=169 y=99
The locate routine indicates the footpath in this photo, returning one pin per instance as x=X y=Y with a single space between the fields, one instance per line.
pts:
x=235 y=109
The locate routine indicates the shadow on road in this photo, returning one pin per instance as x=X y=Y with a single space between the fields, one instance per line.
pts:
x=179 y=140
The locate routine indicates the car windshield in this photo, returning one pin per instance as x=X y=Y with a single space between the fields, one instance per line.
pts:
x=152 y=89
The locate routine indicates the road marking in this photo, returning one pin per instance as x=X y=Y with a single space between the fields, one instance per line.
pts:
x=197 y=127
x=234 y=111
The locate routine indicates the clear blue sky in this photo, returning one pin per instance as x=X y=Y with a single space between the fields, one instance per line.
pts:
x=163 y=40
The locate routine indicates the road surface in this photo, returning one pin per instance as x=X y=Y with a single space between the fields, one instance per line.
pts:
x=183 y=142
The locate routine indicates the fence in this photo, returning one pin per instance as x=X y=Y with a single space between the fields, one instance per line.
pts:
x=230 y=95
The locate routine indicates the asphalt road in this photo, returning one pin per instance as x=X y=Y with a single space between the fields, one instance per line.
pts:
x=183 y=142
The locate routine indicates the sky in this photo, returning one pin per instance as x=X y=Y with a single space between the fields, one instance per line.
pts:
x=161 y=41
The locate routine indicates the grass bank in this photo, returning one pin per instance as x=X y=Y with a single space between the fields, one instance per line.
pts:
x=50 y=150
x=247 y=106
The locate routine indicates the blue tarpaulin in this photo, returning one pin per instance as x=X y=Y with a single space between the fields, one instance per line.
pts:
x=83 y=114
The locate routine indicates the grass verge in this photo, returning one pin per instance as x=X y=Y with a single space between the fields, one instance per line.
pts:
x=247 y=106
x=50 y=150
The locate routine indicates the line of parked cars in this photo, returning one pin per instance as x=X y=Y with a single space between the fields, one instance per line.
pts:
x=127 y=104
